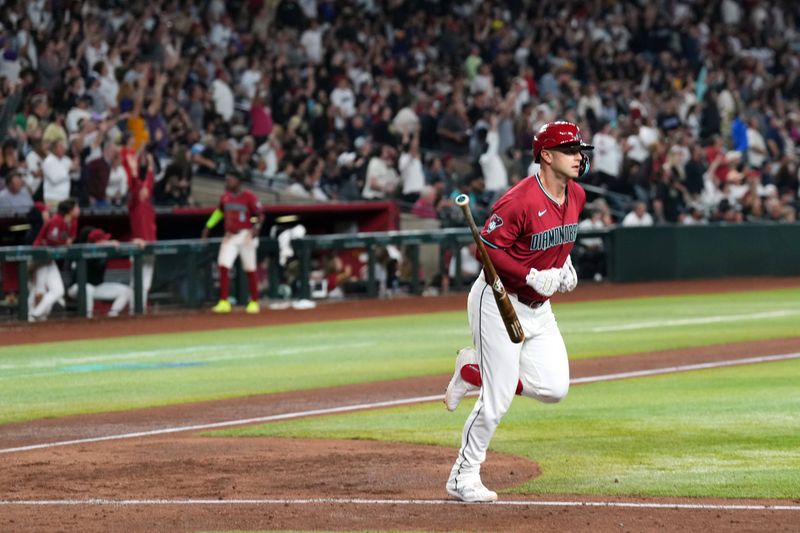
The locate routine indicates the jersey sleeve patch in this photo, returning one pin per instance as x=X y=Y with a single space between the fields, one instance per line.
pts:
x=494 y=222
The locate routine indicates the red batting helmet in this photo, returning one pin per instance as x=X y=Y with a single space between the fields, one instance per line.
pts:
x=559 y=133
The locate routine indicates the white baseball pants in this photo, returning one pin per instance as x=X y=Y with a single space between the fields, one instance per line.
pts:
x=240 y=244
x=47 y=282
x=120 y=294
x=539 y=362
x=148 y=268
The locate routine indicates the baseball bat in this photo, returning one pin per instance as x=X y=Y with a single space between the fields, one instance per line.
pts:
x=505 y=306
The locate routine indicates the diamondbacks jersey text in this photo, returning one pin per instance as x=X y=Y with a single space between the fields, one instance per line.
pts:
x=529 y=229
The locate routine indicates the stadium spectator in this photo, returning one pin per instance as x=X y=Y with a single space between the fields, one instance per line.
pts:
x=181 y=71
x=607 y=157
x=382 y=179
x=412 y=175
x=117 y=188
x=590 y=262
x=492 y=166
x=638 y=216
x=58 y=170
x=15 y=198
x=33 y=161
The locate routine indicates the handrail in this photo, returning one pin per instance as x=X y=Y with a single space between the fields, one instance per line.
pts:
x=190 y=249
x=447 y=239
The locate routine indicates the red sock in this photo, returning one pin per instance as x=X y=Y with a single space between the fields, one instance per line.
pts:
x=224 y=283
x=472 y=375
x=252 y=282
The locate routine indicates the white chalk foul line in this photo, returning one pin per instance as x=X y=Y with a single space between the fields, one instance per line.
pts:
x=389 y=403
x=363 y=501
x=695 y=321
x=686 y=368
x=228 y=423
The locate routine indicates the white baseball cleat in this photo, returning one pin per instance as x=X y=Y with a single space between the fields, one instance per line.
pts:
x=458 y=388
x=470 y=490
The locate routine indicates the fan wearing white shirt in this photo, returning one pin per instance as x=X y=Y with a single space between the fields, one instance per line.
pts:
x=222 y=95
x=638 y=216
x=56 y=169
x=344 y=102
x=411 y=172
x=492 y=166
x=311 y=41
x=109 y=86
x=382 y=179
x=33 y=161
x=607 y=157
x=78 y=113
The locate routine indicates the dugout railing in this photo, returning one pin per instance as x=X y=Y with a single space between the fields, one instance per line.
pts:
x=191 y=259
x=448 y=240
x=193 y=255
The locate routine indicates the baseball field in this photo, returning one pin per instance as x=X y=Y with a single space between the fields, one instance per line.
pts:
x=682 y=416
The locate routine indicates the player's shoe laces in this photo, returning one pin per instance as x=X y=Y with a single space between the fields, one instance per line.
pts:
x=223 y=306
x=253 y=307
x=470 y=490
x=458 y=388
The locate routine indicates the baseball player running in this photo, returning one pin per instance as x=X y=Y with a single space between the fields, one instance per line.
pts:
x=528 y=235
x=59 y=230
x=243 y=217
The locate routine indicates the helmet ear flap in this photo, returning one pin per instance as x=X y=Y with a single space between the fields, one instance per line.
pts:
x=584 y=168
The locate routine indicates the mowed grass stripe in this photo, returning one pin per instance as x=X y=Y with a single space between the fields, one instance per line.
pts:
x=148 y=370
x=378 y=405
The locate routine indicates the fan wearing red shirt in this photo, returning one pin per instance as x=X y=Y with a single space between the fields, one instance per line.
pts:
x=47 y=285
x=528 y=236
x=241 y=211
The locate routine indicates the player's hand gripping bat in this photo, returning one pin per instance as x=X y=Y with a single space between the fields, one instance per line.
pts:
x=505 y=306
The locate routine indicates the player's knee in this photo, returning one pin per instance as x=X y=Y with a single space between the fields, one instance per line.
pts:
x=493 y=417
x=58 y=291
x=554 y=393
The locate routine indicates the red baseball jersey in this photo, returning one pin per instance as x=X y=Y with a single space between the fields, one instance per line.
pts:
x=56 y=232
x=239 y=208
x=141 y=213
x=529 y=229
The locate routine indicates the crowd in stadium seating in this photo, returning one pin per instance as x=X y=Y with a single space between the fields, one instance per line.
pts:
x=692 y=105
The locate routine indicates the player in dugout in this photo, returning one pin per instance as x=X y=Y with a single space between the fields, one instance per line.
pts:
x=528 y=237
x=97 y=288
x=241 y=211
x=47 y=285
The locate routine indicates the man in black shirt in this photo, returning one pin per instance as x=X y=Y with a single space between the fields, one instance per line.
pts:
x=97 y=288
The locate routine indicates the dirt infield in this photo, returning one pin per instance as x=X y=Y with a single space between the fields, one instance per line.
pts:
x=184 y=481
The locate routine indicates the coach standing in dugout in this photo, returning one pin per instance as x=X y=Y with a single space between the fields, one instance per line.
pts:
x=140 y=168
x=243 y=218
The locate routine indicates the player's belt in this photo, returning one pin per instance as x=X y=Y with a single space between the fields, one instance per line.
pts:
x=530 y=302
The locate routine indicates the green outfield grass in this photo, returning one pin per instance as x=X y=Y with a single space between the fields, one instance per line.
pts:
x=57 y=379
x=732 y=432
